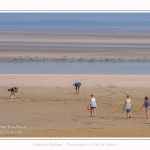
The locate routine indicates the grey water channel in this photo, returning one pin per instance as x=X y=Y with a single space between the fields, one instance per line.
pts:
x=48 y=67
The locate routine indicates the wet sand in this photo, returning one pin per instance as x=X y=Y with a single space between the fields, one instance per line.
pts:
x=70 y=45
x=47 y=106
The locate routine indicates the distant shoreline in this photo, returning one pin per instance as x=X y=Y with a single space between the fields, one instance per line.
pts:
x=76 y=23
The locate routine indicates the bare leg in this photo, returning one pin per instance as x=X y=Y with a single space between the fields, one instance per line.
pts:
x=94 y=110
x=14 y=95
x=78 y=90
x=127 y=115
x=91 y=111
x=10 y=95
x=147 y=114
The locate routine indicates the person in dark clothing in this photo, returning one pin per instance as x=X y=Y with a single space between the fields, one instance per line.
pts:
x=77 y=86
x=13 y=91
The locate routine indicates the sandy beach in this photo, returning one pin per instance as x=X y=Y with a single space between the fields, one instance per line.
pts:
x=47 y=106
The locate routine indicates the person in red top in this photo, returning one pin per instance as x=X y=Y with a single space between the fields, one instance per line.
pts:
x=147 y=106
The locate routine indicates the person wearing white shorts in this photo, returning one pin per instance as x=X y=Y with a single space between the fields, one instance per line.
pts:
x=147 y=106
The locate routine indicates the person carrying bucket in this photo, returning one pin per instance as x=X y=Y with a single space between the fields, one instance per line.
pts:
x=93 y=105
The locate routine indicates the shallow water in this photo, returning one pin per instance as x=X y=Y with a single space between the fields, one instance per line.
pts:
x=76 y=29
x=81 y=45
x=47 y=67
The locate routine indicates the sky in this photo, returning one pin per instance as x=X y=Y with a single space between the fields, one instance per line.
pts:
x=90 y=16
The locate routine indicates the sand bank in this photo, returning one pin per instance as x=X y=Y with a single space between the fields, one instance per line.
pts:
x=74 y=46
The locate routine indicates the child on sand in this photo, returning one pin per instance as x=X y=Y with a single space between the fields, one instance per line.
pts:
x=13 y=90
x=93 y=105
x=128 y=106
x=147 y=106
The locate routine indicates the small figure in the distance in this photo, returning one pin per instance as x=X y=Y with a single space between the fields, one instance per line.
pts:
x=93 y=105
x=13 y=91
x=77 y=86
x=128 y=106
x=147 y=106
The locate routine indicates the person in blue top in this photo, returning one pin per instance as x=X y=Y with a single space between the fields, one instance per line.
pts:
x=128 y=106
x=77 y=86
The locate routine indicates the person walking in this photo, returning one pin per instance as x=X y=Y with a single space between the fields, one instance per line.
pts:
x=147 y=106
x=128 y=106
x=13 y=91
x=93 y=105
x=77 y=86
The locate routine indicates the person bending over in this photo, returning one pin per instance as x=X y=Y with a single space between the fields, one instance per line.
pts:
x=13 y=91
x=77 y=86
